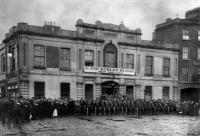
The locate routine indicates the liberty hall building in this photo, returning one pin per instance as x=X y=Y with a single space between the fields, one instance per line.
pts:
x=95 y=59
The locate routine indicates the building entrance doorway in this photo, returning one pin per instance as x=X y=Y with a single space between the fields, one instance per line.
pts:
x=110 y=88
x=190 y=94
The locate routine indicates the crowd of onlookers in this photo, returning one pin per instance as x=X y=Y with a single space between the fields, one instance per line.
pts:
x=190 y=107
x=21 y=109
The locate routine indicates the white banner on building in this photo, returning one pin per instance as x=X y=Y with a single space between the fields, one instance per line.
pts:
x=107 y=70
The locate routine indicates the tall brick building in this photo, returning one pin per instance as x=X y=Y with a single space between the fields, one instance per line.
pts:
x=186 y=33
x=95 y=59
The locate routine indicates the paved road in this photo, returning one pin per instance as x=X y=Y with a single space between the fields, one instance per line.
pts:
x=159 y=125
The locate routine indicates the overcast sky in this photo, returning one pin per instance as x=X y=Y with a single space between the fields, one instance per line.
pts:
x=144 y=14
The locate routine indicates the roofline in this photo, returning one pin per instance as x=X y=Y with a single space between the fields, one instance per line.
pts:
x=52 y=36
x=176 y=21
x=85 y=25
x=148 y=46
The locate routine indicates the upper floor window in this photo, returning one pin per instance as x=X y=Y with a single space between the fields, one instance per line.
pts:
x=99 y=58
x=176 y=67
x=110 y=56
x=122 y=60
x=198 y=53
x=3 y=63
x=166 y=66
x=186 y=34
x=39 y=56
x=185 y=53
x=199 y=35
x=24 y=54
x=89 y=58
x=80 y=59
x=12 y=59
x=65 y=58
x=185 y=72
x=149 y=65
x=138 y=63
x=130 y=61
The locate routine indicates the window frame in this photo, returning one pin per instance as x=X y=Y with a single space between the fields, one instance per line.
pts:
x=131 y=62
x=80 y=58
x=88 y=61
x=186 y=76
x=165 y=88
x=151 y=66
x=198 y=35
x=166 y=67
x=65 y=59
x=3 y=63
x=122 y=60
x=89 y=94
x=198 y=53
x=98 y=58
x=13 y=59
x=65 y=94
x=24 y=54
x=186 y=34
x=39 y=56
x=146 y=91
x=184 y=52
x=43 y=91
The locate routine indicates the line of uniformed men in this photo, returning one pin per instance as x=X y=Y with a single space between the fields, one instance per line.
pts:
x=38 y=108
x=123 y=105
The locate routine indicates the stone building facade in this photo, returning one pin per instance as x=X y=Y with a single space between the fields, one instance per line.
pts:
x=94 y=59
x=186 y=33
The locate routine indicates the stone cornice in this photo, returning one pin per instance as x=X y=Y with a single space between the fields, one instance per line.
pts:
x=147 y=46
x=85 y=25
x=177 y=21
x=52 y=36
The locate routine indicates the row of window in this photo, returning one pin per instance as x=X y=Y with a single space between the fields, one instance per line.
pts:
x=148 y=93
x=52 y=53
x=186 y=34
x=186 y=53
x=39 y=91
x=89 y=61
x=150 y=66
x=60 y=57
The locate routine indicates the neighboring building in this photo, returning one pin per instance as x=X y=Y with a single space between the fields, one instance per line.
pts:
x=3 y=70
x=95 y=59
x=186 y=33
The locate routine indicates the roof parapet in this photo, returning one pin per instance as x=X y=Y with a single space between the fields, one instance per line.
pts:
x=109 y=27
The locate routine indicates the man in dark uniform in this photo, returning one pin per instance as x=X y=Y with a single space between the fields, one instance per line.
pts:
x=82 y=105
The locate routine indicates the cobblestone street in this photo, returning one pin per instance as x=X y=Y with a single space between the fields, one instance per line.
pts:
x=161 y=125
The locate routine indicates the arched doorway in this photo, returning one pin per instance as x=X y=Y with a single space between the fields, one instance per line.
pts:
x=110 y=88
x=110 y=56
x=190 y=94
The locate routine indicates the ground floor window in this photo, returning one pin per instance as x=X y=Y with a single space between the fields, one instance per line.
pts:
x=39 y=88
x=148 y=92
x=129 y=91
x=65 y=90
x=89 y=91
x=166 y=93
